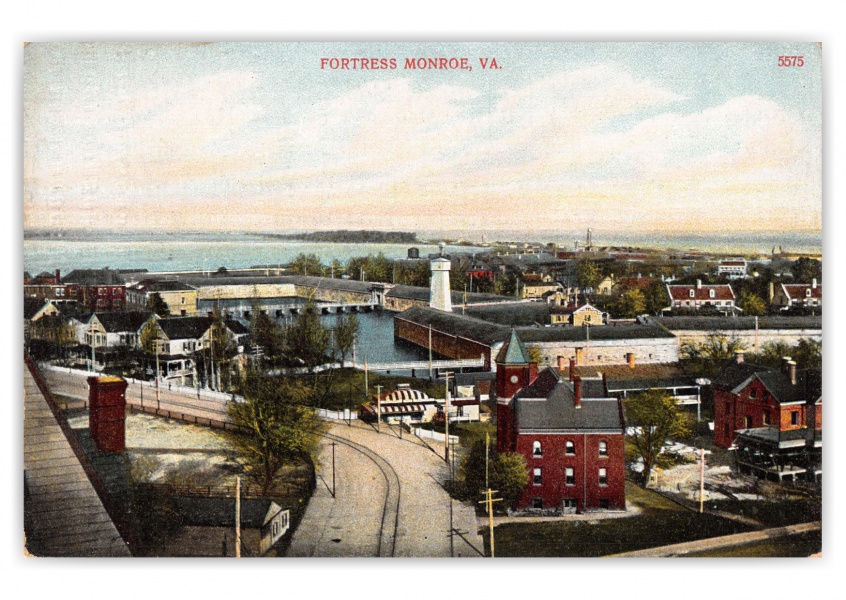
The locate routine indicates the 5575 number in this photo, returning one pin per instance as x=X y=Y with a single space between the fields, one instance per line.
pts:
x=791 y=61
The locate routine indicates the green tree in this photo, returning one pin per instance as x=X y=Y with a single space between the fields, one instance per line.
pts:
x=505 y=285
x=629 y=304
x=806 y=269
x=773 y=352
x=706 y=358
x=588 y=274
x=473 y=468
x=278 y=424
x=266 y=334
x=157 y=305
x=652 y=418
x=657 y=298
x=221 y=350
x=346 y=331
x=307 y=338
x=751 y=304
x=510 y=476
x=306 y=264
x=808 y=354
x=536 y=355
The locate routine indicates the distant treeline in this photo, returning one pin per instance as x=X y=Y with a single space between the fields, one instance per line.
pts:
x=351 y=237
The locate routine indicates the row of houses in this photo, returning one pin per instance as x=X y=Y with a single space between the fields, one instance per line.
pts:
x=115 y=339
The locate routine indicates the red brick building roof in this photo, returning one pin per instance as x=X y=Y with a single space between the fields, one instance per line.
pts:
x=797 y=291
x=682 y=292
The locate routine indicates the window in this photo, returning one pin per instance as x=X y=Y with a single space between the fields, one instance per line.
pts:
x=753 y=393
x=537 y=476
x=537 y=502
x=747 y=422
x=603 y=476
x=569 y=476
x=603 y=448
x=808 y=293
x=570 y=449
x=692 y=293
x=571 y=503
x=727 y=430
x=603 y=503
x=536 y=449
x=794 y=417
x=711 y=293
x=767 y=417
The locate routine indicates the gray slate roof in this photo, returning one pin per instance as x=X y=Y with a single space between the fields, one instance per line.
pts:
x=512 y=314
x=93 y=277
x=558 y=411
x=114 y=322
x=740 y=323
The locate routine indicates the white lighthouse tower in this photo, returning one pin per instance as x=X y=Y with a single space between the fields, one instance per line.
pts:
x=439 y=292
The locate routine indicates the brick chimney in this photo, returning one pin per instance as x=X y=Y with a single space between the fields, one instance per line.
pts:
x=59 y=276
x=107 y=414
x=791 y=370
x=572 y=368
x=577 y=391
x=785 y=364
x=739 y=356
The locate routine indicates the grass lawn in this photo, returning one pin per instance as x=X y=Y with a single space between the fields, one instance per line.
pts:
x=793 y=546
x=777 y=512
x=661 y=522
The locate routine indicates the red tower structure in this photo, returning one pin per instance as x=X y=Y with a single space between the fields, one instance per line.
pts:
x=107 y=415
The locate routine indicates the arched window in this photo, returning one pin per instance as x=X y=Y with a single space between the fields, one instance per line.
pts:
x=570 y=448
x=536 y=449
x=692 y=293
x=603 y=448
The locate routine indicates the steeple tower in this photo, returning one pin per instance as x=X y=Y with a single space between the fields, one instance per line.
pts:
x=514 y=371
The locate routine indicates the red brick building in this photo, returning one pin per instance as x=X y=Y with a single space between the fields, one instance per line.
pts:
x=98 y=290
x=772 y=416
x=570 y=433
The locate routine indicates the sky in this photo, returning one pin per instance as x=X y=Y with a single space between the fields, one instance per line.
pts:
x=665 y=137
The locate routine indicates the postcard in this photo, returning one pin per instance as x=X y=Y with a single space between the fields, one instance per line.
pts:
x=407 y=299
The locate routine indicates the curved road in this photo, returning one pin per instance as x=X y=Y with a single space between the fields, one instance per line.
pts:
x=389 y=501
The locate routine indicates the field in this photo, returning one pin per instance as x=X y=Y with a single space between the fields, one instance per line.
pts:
x=660 y=522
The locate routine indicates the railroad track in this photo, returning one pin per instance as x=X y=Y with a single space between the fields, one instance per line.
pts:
x=390 y=512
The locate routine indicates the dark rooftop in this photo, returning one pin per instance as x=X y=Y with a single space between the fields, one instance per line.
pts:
x=93 y=277
x=558 y=411
x=122 y=321
x=512 y=314
x=730 y=323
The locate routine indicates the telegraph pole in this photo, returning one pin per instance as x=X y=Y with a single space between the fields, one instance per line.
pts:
x=237 y=517
x=333 y=469
x=487 y=460
x=378 y=408
x=701 y=480
x=489 y=500
x=430 y=353
x=158 y=393
x=446 y=414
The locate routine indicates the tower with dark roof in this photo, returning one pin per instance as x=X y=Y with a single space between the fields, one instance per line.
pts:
x=514 y=371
